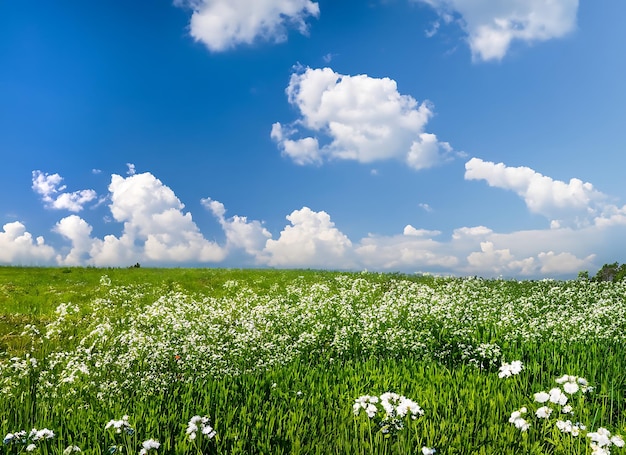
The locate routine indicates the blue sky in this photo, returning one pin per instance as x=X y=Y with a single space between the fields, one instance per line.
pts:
x=455 y=137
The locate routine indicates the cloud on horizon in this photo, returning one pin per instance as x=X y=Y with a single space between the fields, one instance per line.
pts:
x=492 y=27
x=156 y=231
x=358 y=118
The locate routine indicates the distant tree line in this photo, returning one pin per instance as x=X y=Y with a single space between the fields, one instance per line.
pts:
x=608 y=272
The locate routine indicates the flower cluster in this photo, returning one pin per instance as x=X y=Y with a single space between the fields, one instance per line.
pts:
x=148 y=445
x=393 y=408
x=201 y=424
x=511 y=369
x=28 y=440
x=555 y=402
x=120 y=425
x=520 y=422
x=601 y=441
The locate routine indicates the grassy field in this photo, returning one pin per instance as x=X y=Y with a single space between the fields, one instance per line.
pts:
x=308 y=362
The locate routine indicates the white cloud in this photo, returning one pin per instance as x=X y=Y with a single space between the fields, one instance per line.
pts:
x=469 y=232
x=411 y=231
x=562 y=263
x=574 y=203
x=131 y=169
x=492 y=26
x=157 y=231
x=426 y=207
x=224 y=24
x=357 y=118
x=17 y=246
x=54 y=195
x=75 y=229
x=250 y=236
x=312 y=240
x=415 y=250
x=155 y=224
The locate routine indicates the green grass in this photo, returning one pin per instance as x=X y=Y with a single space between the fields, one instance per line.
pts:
x=276 y=359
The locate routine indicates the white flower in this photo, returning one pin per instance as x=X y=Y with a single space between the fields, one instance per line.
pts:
x=200 y=423
x=597 y=450
x=557 y=396
x=542 y=397
x=602 y=437
x=44 y=433
x=570 y=387
x=565 y=378
x=567 y=409
x=428 y=451
x=617 y=441
x=510 y=369
x=543 y=412
x=31 y=447
x=208 y=430
x=517 y=419
x=70 y=449
x=119 y=425
x=148 y=445
x=564 y=425
x=371 y=410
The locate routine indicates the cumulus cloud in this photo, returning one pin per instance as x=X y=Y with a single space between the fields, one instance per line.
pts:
x=154 y=220
x=491 y=27
x=415 y=249
x=567 y=203
x=18 y=247
x=157 y=231
x=78 y=232
x=54 y=195
x=359 y=118
x=411 y=231
x=249 y=236
x=224 y=24
x=312 y=240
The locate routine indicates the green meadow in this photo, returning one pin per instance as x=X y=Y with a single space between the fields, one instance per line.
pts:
x=216 y=361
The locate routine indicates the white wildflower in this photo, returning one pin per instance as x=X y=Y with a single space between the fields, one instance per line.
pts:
x=202 y=424
x=510 y=369
x=517 y=419
x=601 y=437
x=428 y=451
x=542 y=397
x=543 y=412
x=617 y=441
x=150 y=444
x=570 y=387
x=557 y=396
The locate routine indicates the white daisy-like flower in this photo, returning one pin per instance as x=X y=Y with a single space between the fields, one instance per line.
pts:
x=542 y=397
x=148 y=445
x=510 y=369
x=557 y=396
x=601 y=437
x=428 y=450
x=570 y=387
x=617 y=441
x=543 y=412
